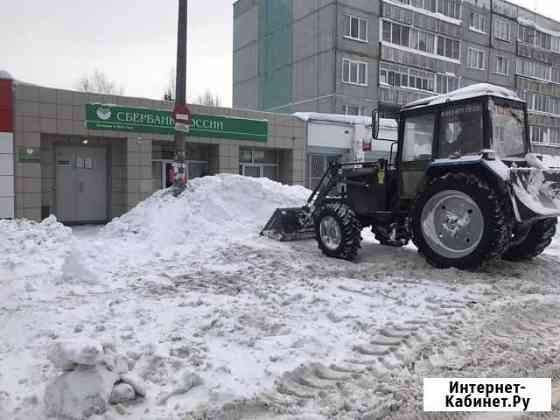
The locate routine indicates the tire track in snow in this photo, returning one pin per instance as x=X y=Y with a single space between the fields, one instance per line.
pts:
x=370 y=364
x=497 y=346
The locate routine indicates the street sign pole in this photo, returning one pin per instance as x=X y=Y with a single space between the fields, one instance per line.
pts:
x=180 y=97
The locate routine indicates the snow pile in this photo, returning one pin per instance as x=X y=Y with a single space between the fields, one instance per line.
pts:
x=41 y=247
x=472 y=91
x=212 y=208
x=94 y=376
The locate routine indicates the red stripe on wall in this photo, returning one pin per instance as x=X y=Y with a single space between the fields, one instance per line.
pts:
x=6 y=106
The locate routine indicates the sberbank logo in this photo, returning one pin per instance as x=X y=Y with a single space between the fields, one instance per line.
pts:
x=104 y=113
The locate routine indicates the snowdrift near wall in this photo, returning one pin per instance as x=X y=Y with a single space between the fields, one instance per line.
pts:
x=212 y=208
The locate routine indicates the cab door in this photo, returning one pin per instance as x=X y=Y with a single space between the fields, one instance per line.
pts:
x=416 y=152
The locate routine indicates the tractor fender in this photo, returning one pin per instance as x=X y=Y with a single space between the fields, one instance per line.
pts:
x=493 y=171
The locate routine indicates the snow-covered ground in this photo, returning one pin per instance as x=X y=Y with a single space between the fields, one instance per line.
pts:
x=185 y=287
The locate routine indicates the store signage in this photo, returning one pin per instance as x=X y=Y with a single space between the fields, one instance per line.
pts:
x=28 y=154
x=145 y=120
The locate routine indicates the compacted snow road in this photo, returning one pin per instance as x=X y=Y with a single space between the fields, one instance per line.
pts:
x=271 y=330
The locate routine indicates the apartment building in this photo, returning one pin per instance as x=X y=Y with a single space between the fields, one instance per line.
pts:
x=353 y=56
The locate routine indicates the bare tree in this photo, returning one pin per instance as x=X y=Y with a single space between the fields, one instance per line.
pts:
x=209 y=99
x=170 y=90
x=99 y=82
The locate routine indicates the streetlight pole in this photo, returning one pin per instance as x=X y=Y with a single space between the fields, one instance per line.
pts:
x=180 y=97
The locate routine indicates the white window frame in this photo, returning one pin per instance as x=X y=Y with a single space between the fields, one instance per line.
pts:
x=505 y=63
x=358 y=64
x=499 y=25
x=430 y=52
x=480 y=19
x=445 y=38
x=384 y=69
x=476 y=51
x=346 y=107
x=533 y=129
x=348 y=35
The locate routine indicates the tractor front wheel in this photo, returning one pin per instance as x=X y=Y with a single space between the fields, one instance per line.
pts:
x=539 y=237
x=461 y=221
x=337 y=230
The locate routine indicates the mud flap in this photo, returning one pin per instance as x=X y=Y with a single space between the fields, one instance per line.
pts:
x=289 y=224
x=537 y=192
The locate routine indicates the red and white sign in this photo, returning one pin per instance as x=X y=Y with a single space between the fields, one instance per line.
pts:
x=182 y=114
x=366 y=144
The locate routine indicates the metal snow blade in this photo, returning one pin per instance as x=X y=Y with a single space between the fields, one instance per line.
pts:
x=295 y=223
x=538 y=190
x=289 y=224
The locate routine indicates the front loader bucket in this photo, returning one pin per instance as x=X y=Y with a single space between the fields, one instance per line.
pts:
x=289 y=224
x=538 y=190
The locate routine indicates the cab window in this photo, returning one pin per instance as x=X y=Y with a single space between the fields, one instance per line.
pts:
x=418 y=137
x=460 y=131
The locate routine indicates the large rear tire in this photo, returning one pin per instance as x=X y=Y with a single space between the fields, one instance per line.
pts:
x=461 y=221
x=337 y=230
x=539 y=237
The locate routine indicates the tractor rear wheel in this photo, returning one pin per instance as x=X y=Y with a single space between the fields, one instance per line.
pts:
x=337 y=230
x=539 y=237
x=461 y=221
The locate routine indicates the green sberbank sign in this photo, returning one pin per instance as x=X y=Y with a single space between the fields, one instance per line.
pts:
x=144 y=120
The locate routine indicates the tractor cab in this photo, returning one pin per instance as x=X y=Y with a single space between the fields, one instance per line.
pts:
x=458 y=130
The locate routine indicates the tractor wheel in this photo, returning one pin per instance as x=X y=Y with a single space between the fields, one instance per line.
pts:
x=461 y=221
x=539 y=237
x=337 y=230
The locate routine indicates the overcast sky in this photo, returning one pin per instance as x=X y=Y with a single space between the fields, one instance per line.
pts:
x=54 y=43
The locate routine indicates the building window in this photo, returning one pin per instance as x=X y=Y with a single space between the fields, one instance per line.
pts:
x=355 y=28
x=526 y=35
x=352 y=110
x=404 y=77
x=501 y=65
x=538 y=38
x=536 y=70
x=448 y=47
x=451 y=8
x=410 y=78
x=543 y=103
x=475 y=59
x=429 y=5
x=555 y=44
x=554 y=136
x=354 y=72
x=396 y=34
x=537 y=134
x=502 y=29
x=446 y=83
x=545 y=135
x=422 y=41
x=478 y=23
x=405 y=36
